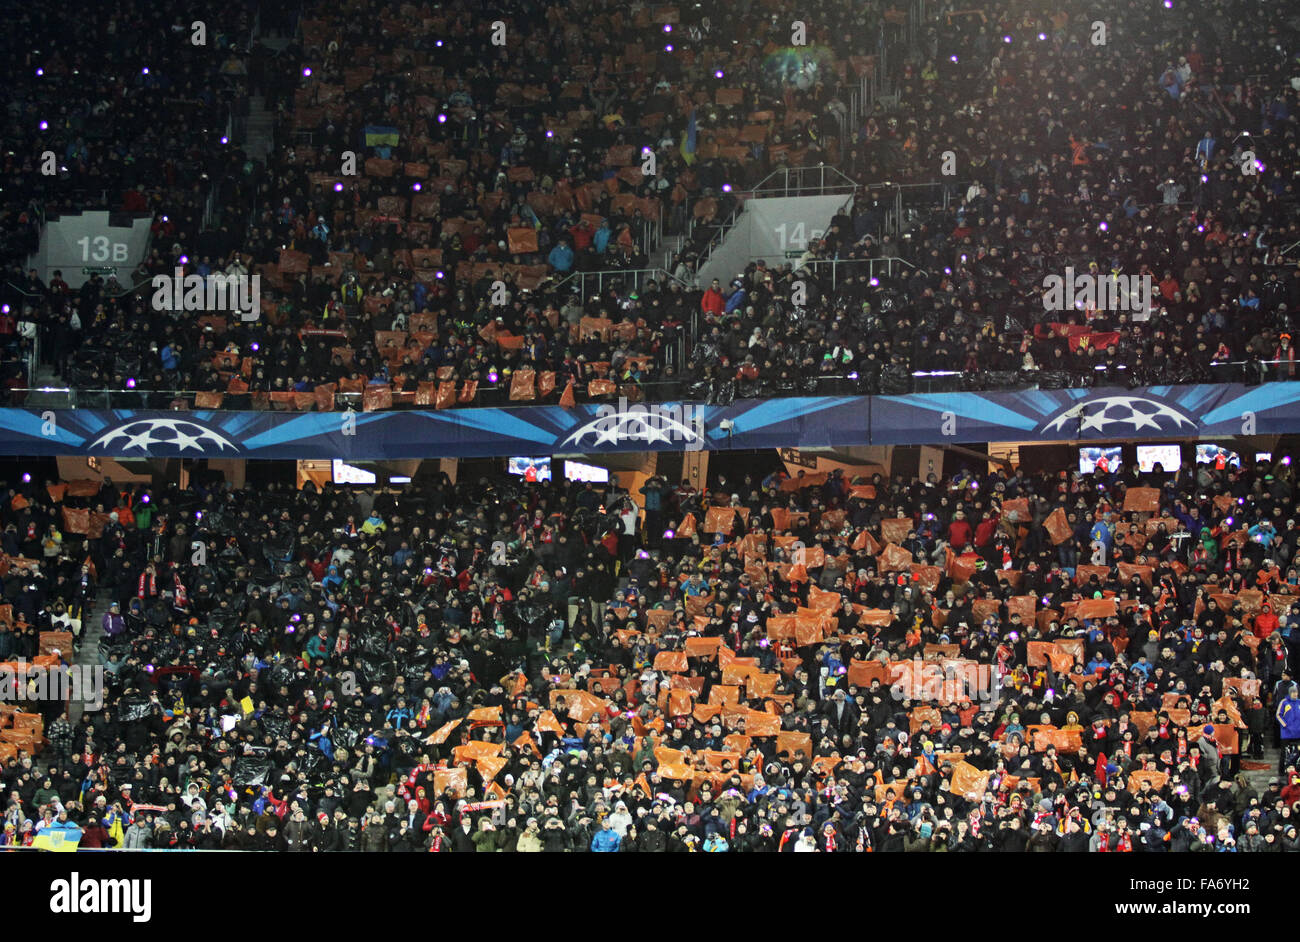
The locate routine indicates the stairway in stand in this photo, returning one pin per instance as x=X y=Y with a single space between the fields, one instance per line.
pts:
x=87 y=649
x=1262 y=771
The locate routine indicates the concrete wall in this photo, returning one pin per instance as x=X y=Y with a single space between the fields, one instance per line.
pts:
x=77 y=469
x=120 y=248
x=768 y=229
x=826 y=462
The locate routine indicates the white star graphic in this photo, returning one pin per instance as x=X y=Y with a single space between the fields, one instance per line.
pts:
x=1126 y=404
x=1142 y=420
x=639 y=426
x=140 y=434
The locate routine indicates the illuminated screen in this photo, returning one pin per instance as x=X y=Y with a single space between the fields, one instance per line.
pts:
x=530 y=469
x=1169 y=457
x=1217 y=455
x=577 y=471
x=344 y=473
x=1105 y=459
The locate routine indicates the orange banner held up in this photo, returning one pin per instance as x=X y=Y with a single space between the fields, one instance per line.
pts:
x=440 y=735
x=1096 y=608
x=968 y=781
x=865 y=542
x=1157 y=780
x=862 y=673
x=489 y=766
x=1040 y=653
x=877 y=617
x=1142 y=500
x=794 y=743
x=895 y=559
x=521 y=240
x=547 y=723
x=473 y=751
x=825 y=601
x=1058 y=526
x=701 y=647
x=671 y=661
x=485 y=715
x=719 y=520
x=526 y=741
x=679 y=702
x=455 y=780
x=895 y=530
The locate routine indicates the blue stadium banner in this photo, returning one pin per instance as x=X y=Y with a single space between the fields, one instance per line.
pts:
x=1174 y=412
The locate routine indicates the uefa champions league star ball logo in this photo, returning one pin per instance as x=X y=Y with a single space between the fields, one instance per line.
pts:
x=1111 y=415
x=152 y=435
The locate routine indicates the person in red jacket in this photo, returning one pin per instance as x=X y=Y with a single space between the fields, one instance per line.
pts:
x=1265 y=622
x=959 y=531
x=712 y=302
x=582 y=235
x=987 y=528
x=1291 y=793
x=94 y=834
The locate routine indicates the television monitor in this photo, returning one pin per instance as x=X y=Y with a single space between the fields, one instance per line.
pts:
x=1169 y=457
x=1104 y=458
x=344 y=473
x=578 y=471
x=1263 y=456
x=530 y=469
x=1217 y=455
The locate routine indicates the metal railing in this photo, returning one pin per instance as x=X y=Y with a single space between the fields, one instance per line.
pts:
x=820 y=180
x=840 y=267
x=34 y=356
x=489 y=394
x=718 y=237
x=633 y=279
x=497 y=394
x=130 y=850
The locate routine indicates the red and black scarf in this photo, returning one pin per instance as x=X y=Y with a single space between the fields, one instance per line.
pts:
x=1123 y=846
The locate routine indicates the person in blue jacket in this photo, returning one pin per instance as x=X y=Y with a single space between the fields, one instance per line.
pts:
x=1288 y=719
x=323 y=741
x=737 y=298
x=606 y=840
x=600 y=241
x=561 y=257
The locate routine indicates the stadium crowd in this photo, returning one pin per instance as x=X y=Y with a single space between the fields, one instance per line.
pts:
x=134 y=116
x=992 y=662
x=1150 y=178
